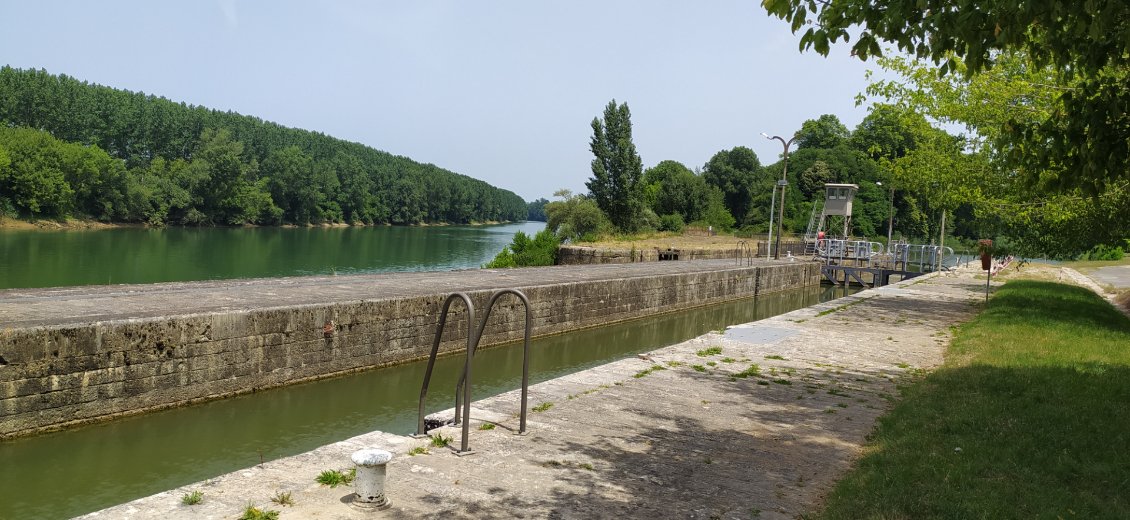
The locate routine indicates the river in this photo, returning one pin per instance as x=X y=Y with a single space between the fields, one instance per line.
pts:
x=32 y=258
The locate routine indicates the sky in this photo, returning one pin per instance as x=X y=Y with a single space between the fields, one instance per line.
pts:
x=503 y=91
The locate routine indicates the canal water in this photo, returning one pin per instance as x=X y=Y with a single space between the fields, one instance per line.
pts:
x=88 y=468
x=32 y=258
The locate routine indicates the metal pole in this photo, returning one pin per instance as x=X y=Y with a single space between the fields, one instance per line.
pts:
x=783 y=183
x=772 y=208
x=891 y=218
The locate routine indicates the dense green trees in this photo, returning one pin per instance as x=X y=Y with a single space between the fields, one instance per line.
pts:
x=149 y=159
x=616 y=168
x=535 y=210
x=1082 y=141
x=738 y=174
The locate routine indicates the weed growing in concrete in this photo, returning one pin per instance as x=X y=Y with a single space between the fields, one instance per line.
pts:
x=753 y=370
x=254 y=513
x=486 y=426
x=674 y=364
x=711 y=364
x=193 y=498
x=782 y=381
x=762 y=383
x=837 y=391
x=728 y=360
x=282 y=499
x=829 y=411
x=646 y=371
x=585 y=465
x=712 y=351
x=418 y=450
x=439 y=441
x=699 y=368
x=775 y=356
x=334 y=478
x=542 y=407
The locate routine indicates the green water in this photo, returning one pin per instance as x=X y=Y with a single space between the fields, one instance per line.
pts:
x=89 y=468
x=138 y=255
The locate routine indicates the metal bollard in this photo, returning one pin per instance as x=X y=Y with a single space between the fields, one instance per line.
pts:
x=369 y=485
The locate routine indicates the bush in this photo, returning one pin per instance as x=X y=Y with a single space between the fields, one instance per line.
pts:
x=1104 y=252
x=673 y=222
x=526 y=252
x=575 y=218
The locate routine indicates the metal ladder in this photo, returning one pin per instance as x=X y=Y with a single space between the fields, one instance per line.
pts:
x=474 y=334
x=743 y=249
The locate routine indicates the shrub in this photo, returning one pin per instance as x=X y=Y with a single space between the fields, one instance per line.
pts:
x=525 y=252
x=576 y=217
x=1104 y=252
x=673 y=222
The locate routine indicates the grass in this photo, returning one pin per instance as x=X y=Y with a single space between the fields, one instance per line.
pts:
x=486 y=426
x=283 y=499
x=334 y=478
x=753 y=370
x=254 y=513
x=418 y=450
x=775 y=356
x=698 y=368
x=542 y=407
x=193 y=498
x=439 y=441
x=1027 y=418
x=646 y=371
x=712 y=351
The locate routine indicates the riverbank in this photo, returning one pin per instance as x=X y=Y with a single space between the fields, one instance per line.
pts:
x=70 y=224
x=758 y=421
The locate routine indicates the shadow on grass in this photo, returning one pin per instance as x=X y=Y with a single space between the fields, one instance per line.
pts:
x=1028 y=300
x=989 y=442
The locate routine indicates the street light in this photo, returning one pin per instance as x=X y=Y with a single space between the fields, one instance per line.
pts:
x=782 y=183
x=890 y=215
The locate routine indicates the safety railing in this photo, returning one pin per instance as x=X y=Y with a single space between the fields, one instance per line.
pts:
x=463 y=387
x=744 y=253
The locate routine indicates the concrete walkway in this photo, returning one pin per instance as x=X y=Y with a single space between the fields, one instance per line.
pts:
x=688 y=431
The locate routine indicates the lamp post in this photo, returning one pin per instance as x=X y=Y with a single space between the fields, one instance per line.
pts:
x=890 y=215
x=782 y=183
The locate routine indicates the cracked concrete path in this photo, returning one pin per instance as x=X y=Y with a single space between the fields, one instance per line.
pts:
x=757 y=422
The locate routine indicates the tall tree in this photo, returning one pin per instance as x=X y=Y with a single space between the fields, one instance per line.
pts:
x=738 y=173
x=617 y=168
x=824 y=132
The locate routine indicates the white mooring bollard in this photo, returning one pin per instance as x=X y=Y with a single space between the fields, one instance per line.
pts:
x=369 y=485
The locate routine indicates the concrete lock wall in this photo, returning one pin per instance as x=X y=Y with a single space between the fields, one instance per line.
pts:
x=581 y=255
x=52 y=377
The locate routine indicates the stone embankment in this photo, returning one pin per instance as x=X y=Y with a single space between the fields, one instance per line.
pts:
x=75 y=355
x=758 y=421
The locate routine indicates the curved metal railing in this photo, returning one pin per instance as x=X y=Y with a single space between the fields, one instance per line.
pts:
x=463 y=387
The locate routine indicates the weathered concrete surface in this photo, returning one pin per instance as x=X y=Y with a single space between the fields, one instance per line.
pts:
x=75 y=355
x=675 y=443
x=1117 y=276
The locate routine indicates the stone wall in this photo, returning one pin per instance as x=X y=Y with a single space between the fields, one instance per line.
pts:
x=581 y=255
x=55 y=376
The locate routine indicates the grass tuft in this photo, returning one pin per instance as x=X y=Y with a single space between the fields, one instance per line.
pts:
x=193 y=498
x=334 y=478
x=646 y=371
x=1033 y=392
x=283 y=499
x=712 y=351
x=439 y=441
x=254 y=513
x=753 y=370
x=542 y=407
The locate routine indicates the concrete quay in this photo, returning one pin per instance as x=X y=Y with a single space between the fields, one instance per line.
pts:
x=76 y=355
x=687 y=431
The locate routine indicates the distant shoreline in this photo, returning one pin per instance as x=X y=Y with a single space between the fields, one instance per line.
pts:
x=86 y=225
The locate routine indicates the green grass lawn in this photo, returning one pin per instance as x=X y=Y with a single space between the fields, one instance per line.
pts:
x=1029 y=417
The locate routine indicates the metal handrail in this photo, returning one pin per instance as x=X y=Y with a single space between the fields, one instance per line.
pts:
x=744 y=246
x=435 y=348
x=525 y=361
x=474 y=334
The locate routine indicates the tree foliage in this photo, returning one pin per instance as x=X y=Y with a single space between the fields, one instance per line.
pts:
x=1085 y=136
x=738 y=174
x=616 y=169
x=147 y=159
x=575 y=217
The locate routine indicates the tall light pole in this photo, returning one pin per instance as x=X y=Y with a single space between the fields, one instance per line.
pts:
x=782 y=183
x=890 y=215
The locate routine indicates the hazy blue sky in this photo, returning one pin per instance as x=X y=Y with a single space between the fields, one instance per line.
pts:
x=503 y=91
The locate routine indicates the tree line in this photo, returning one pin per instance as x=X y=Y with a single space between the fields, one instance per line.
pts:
x=71 y=148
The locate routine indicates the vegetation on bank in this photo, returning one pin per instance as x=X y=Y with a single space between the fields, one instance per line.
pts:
x=1025 y=419
x=70 y=148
